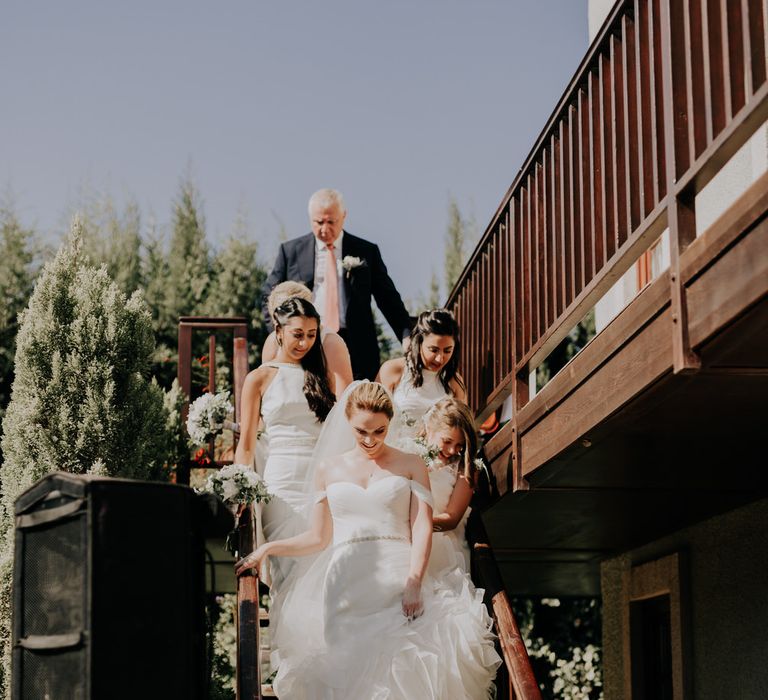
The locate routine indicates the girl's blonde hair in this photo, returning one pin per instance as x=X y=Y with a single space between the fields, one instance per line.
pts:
x=369 y=396
x=284 y=291
x=451 y=413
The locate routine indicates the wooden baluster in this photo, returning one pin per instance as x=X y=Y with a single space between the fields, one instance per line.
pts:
x=657 y=104
x=620 y=207
x=697 y=94
x=239 y=372
x=754 y=20
x=736 y=64
x=585 y=205
x=598 y=192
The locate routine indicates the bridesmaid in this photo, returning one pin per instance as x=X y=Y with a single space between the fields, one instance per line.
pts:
x=448 y=428
x=292 y=394
x=429 y=370
x=336 y=352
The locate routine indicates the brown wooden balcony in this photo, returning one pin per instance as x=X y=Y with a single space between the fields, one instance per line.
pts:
x=658 y=422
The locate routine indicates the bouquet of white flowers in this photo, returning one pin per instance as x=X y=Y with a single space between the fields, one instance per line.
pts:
x=238 y=484
x=206 y=416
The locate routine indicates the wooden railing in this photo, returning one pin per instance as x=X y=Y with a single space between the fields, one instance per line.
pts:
x=515 y=679
x=248 y=680
x=667 y=93
x=238 y=326
x=248 y=646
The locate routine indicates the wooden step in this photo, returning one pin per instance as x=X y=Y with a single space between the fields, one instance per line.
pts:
x=267 y=691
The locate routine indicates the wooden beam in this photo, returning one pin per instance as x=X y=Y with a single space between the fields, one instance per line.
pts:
x=735 y=221
x=630 y=371
x=635 y=316
x=728 y=288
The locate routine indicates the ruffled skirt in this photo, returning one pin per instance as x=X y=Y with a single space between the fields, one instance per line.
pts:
x=354 y=643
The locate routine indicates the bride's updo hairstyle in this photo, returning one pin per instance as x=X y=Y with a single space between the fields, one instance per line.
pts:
x=369 y=396
x=437 y=322
x=449 y=413
x=316 y=387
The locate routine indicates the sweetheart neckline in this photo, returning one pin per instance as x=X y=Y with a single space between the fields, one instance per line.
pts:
x=370 y=483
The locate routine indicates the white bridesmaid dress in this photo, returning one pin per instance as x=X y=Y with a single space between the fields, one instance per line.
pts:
x=413 y=402
x=290 y=433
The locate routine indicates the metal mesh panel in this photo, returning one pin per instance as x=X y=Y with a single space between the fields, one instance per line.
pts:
x=54 y=579
x=53 y=676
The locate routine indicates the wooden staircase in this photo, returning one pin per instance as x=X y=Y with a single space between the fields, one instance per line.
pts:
x=515 y=679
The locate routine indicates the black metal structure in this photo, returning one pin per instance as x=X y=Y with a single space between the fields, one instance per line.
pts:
x=109 y=589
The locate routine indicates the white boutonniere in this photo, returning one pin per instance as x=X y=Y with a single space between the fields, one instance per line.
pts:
x=350 y=262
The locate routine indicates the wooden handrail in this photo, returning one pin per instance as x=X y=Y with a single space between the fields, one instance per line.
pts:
x=668 y=91
x=248 y=657
x=486 y=574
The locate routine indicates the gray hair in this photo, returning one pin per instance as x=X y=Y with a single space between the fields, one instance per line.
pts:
x=327 y=197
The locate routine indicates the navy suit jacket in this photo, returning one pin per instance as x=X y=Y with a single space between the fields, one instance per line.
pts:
x=296 y=261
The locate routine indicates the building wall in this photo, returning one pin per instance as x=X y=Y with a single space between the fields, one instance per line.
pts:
x=725 y=562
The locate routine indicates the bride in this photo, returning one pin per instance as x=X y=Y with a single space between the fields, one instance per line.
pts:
x=292 y=395
x=366 y=621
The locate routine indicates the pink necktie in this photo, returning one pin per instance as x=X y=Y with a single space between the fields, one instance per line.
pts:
x=331 y=316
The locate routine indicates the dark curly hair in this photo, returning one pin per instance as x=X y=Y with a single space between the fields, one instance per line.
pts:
x=439 y=322
x=316 y=387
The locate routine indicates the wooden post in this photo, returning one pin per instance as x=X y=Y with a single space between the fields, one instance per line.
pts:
x=240 y=370
x=681 y=216
x=184 y=374
x=248 y=661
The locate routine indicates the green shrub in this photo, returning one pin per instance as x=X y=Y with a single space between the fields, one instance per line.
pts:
x=81 y=401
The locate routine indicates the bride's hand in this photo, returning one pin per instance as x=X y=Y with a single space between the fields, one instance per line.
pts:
x=253 y=561
x=413 y=604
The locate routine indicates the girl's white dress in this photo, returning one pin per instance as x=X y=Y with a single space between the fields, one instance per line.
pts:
x=351 y=640
x=449 y=549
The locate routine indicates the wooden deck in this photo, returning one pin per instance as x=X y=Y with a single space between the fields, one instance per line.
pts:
x=618 y=449
x=658 y=422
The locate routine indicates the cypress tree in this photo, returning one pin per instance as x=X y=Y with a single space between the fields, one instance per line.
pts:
x=455 y=245
x=16 y=281
x=81 y=400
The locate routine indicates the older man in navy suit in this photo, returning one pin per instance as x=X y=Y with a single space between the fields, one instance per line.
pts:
x=344 y=272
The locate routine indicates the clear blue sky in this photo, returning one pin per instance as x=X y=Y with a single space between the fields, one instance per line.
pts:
x=398 y=103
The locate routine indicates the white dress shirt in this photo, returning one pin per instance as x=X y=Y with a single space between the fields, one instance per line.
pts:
x=318 y=295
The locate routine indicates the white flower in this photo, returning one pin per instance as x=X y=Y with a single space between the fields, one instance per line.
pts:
x=229 y=490
x=206 y=416
x=350 y=262
x=238 y=483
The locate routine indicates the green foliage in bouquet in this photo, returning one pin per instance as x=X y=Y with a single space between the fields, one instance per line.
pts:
x=82 y=401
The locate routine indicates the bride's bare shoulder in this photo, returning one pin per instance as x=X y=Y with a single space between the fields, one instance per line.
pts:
x=407 y=461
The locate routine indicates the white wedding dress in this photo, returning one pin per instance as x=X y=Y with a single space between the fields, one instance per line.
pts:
x=351 y=641
x=290 y=432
